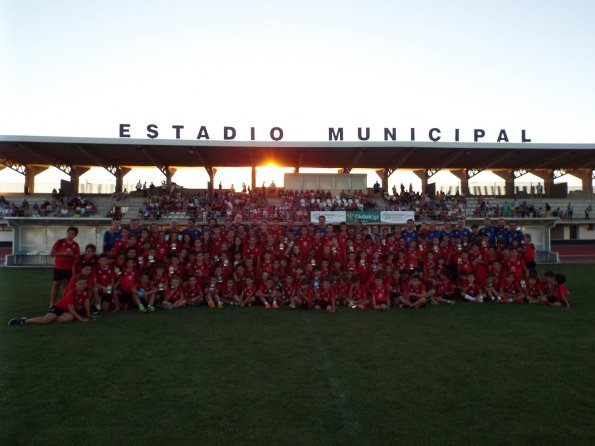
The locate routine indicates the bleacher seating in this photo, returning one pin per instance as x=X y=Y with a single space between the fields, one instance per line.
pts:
x=129 y=207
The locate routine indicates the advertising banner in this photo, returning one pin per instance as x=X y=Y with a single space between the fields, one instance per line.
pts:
x=332 y=217
x=391 y=217
x=363 y=216
x=396 y=217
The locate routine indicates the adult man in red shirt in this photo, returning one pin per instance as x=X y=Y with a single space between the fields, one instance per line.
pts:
x=65 y=252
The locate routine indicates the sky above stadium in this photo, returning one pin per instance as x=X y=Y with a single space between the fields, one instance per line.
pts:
x=82 y=68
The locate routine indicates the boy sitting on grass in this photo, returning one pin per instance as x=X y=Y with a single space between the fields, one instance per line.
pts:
x=73 y=305
x=561 y=296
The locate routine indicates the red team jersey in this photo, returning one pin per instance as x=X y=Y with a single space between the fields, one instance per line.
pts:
x=326 y=296
x=174 y=295
x=379 y=294
x=70 y=297
x=127 y=281
x=62 y=246
x=106 y=276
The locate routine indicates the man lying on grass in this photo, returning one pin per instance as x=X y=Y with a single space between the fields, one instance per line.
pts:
x=73 y=305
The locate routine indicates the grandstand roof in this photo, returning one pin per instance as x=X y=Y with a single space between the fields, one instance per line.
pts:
x=44 y=150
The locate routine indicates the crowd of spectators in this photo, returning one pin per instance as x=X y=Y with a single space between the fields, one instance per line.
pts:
x=267 y=203
x=320 y=200
x=247 y=204
x=203 y=205
x=512 y=209
x=427 y=207
x=57 y=206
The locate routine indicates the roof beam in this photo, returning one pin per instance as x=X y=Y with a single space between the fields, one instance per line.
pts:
x=406 y=155
x=199 y=155
x=550 y=159
x=498 y=158
x=354 y=160
x=583 y=161
x=47 y=159
x=451 y=158
x=92 y=157
x=158 y=163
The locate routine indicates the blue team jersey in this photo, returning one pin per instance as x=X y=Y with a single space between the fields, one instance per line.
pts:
x=435 y=234
x=502 y=234
x=409 y=236
x=490 y=232
x=320 y=230
x=111 y=239
x=460 y=233
x=194 y=233
x=515 y=235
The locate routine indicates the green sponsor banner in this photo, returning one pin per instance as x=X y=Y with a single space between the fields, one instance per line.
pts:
x=363 y=216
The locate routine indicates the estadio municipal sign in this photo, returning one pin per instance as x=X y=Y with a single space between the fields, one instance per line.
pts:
x=229 y=133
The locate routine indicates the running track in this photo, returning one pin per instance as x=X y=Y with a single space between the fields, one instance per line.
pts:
x=575 y=253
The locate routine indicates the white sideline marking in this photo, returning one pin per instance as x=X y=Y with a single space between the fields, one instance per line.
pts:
x=350 y=422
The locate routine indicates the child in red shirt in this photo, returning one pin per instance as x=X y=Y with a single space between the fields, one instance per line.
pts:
x=248 y=294
x=174 y=295
x=561 y=294
x=414 y=294
x=73 y=305
x=193 y=291
x=65 y=252
x=229 y=293
x=143 y=292
x=512 y=291
x=471 y=290
x=104 y=284
x=444 y=290
x=533 y=290
x=379 y=293
x=303 y=297
x=324 y=297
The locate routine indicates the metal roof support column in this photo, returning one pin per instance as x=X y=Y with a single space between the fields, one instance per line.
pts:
x=253 y=178
x=424 y=176
x=508 y=176
x=75 y=175
x=120 y=173
x=211 y=172
x=169 y=172
x=463 y=175
x=30 y=173
x=586 y=176
x=383 y=174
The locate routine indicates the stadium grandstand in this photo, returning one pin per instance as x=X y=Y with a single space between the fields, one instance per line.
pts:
x=549 y=211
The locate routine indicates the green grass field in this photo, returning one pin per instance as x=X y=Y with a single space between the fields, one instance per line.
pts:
x=464 y=375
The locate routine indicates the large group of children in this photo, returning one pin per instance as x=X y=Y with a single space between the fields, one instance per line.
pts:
x=310 y=266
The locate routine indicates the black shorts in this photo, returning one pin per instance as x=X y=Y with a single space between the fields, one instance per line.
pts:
x=57 y=310
x=125 y=298
x=60 y=311
x=62 y=274
x=531 y=265
x=104 y=297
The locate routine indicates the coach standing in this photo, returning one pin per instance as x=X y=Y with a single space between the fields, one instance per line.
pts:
x=65 y=252
x=112 y=235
